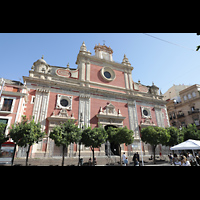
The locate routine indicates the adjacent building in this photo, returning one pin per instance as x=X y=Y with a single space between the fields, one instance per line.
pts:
x=12 y=102
x=186 y=111
x=173 y=92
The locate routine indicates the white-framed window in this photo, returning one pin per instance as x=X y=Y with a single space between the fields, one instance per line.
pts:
x=146 y=112
x=185 y=98
x=193 y=94
x=108 y=74
x=7 y=104
x=189 y=96
x=32 y=99
x=64 y=102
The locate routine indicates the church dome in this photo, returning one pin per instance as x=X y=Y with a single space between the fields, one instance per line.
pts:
x=41 y=60
x=40 y=65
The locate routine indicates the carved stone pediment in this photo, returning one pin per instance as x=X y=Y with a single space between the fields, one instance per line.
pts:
x=61 y=117
x=110 y=116
x=110 y=110
x=146 y=123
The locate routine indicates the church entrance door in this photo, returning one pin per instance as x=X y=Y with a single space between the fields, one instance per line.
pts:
x=114 y=148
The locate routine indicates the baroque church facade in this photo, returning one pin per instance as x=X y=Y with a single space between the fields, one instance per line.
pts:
x=98 y=91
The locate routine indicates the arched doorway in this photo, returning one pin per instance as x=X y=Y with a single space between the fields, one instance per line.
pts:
x=113 y=147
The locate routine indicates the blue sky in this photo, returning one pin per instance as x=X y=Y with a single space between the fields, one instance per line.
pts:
x=153 y=60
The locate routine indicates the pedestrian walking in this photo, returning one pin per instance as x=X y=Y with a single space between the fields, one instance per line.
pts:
x=124 y=157
x=136 y=156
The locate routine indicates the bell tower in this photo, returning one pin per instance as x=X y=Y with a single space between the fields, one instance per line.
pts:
x=103 y=52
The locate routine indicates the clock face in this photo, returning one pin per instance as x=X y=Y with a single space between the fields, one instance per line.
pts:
x=64 y=103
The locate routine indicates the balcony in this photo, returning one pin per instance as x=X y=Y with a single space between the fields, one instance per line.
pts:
x=193 y=111
x=179 y=115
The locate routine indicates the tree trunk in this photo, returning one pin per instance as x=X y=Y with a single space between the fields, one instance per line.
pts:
x=79 y=153
x=27 y=154
x=154 y=154
x=63 y=156
x=120 y=153
x=93 y=155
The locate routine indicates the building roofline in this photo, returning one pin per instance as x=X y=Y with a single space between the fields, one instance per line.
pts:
x=189 y=88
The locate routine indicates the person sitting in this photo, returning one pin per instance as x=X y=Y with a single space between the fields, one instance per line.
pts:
x=184 y=161
x=176 y=160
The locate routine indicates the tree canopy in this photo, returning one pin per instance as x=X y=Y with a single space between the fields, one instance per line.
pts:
x=65 y=134
x=120 y=135
x=191 y=132
x=3 y=137
x=26 y=133
x=94 y=138
x=154 y=136
x=176 y=136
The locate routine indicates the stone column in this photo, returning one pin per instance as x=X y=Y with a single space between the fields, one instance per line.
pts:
x=159 y=118
x=133 y=120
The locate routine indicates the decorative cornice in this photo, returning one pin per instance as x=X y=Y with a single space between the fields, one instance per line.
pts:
x=84 y=96
x=18 y=94
x=75 y=85
x=46 y=90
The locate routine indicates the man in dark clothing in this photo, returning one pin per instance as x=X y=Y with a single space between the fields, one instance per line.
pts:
x=136 y=155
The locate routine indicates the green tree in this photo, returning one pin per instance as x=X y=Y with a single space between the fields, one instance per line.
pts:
x=3 y=137
x=176 y=136
x=112 y=131
x=26 y=133
x=191 y=132
x=93 y=138
x=155 y=136
x=65 y=134
x=120 y=136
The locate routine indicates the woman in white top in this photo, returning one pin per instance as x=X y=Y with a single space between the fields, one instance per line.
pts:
x=185 y=162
